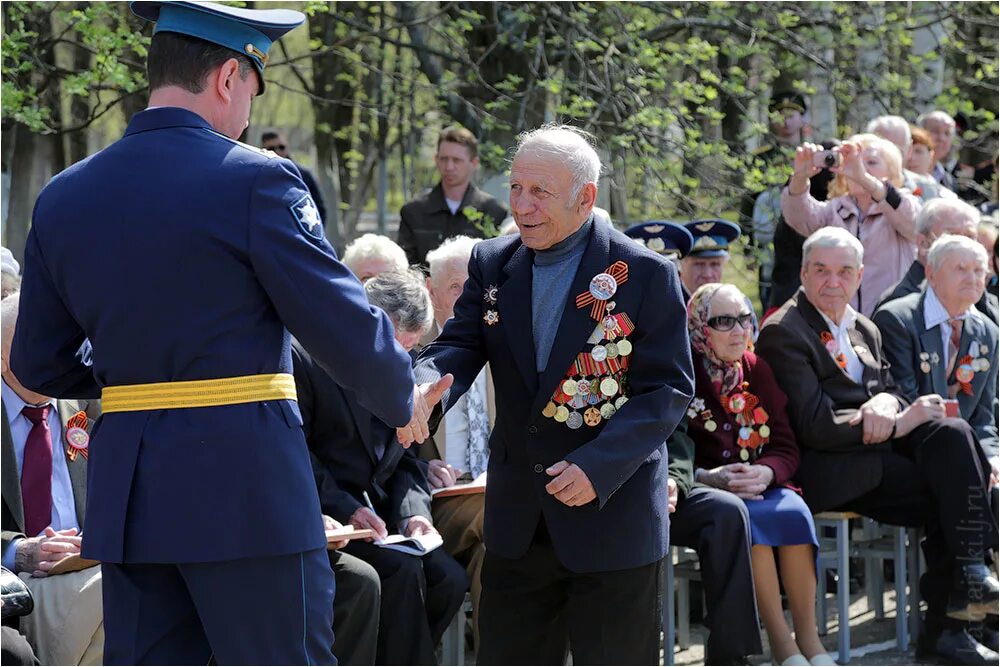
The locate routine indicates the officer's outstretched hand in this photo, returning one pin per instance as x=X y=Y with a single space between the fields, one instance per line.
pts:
x=571 y=485
x=425 y=397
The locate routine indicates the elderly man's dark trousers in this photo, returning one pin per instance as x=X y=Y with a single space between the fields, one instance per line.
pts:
x=716 y=524
x=936 y=478
x=533 y=608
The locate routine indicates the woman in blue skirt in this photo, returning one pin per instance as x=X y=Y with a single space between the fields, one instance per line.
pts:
x=744 y=444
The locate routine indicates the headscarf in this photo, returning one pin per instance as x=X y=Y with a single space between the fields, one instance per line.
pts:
x=725 y=376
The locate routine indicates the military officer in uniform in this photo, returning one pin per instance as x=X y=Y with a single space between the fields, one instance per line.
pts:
x=670 y=239
x=202 y=506
x=582 y=329
x=709 y=253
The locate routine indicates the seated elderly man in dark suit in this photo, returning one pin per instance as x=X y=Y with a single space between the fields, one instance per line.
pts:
x=356 y=458
x=937 y=342
x=867 y=448
x=938 y=217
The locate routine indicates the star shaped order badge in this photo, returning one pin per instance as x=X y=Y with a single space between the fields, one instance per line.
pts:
x=492 y=318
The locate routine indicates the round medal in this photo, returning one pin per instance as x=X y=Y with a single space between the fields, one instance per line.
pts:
x=77 y=438
x=744 y=455
x=595 y=386
x=612 y=349
x=620 y=401
x=744 y=433
x=579 y=401
x=583 y=387
x=592 y=417
x=574 y=421
x=562 y=414
x=608 y=411
x=984 y=364
x=765 y=431
x=599 y=353
x=603 y=286
x=569 y=387
x=737 y=403
x=965 y=373
x=549 y=411
x=594 y=398
x=609 y=386
x=610 y=324
x=624 y=347
x=983 y=349
x=925 y=367
x=710 y=426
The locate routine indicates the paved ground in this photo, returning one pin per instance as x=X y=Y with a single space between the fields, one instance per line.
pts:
x=873 y=641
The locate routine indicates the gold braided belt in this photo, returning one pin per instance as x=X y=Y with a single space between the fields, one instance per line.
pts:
x=198 y=393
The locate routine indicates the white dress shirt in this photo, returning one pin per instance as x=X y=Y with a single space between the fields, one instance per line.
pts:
x=839 y=332
x=63 y=504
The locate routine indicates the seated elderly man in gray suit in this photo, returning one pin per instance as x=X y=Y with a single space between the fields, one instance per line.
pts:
x=936 y=341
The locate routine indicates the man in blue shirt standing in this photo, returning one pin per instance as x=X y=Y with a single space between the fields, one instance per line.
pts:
x=165 y=275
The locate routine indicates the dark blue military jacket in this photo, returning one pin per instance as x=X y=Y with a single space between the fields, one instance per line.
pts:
x=624 y=456
x=179 y=254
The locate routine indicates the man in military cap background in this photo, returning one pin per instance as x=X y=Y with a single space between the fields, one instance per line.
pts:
x=709 y=253
x=202 y=506
x=760 y=211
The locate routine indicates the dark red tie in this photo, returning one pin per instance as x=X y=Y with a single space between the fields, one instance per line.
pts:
x=36 y=472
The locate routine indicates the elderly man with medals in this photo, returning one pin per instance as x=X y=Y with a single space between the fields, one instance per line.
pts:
x=584 y=330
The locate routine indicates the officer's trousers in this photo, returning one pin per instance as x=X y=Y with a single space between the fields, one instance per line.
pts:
x=275 y=610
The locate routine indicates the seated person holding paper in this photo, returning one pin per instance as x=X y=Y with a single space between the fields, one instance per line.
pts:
x=458 y=451
x=44 y=500
x=355 y=455
x=866 y=448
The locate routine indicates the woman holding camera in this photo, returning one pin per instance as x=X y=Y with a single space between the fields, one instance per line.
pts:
x=744 y=444
x=867 y=199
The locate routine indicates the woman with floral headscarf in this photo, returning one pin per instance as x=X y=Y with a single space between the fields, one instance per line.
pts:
x=744 y=444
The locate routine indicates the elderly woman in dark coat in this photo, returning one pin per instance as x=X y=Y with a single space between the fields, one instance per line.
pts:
x=744 y=444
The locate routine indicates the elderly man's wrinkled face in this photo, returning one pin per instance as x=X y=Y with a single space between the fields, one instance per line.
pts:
x=942 y=134
x=445 y=286
x=698 y=271
x=959 y=281
x=830 y=279
x=540 y=200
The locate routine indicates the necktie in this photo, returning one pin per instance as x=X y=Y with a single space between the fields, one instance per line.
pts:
x=477 y=451
x=36 y=471
x=956 y=337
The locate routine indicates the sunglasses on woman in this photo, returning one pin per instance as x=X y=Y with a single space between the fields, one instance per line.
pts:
x=727 y=322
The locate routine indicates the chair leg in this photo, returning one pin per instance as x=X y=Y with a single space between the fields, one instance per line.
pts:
x=874 y=581
x=822 y=622
x=899 y=573
x=913 y=566
x=843 y=592
x=683 y=614
x=669 y=634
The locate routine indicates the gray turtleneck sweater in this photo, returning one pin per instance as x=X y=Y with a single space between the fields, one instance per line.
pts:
x=552 y=275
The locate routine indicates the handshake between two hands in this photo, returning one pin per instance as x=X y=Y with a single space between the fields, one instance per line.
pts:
x=570 y=485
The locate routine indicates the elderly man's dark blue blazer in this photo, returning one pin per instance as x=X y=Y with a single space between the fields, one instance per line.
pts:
x=179 y=254
x=625 y=456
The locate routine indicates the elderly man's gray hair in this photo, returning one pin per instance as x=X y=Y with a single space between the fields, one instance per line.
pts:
x=892 y=128
x=937 y=209
x=369 y=246
x=455 y=249
x=832 y=237
x=8 y=316
x=569 y=145
x=946 y=244
x=404 y=298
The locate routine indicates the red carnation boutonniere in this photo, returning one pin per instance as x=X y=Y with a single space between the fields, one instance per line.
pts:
x=830 y=343
x=918 y=192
